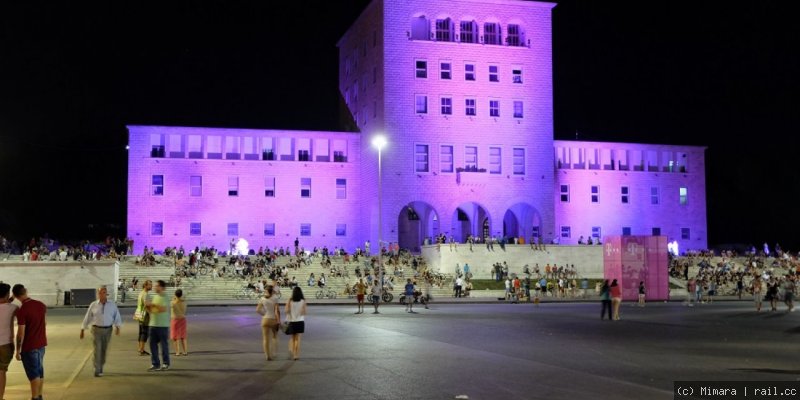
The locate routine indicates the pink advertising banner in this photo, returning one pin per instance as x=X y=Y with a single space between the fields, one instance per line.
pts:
x=634 y=259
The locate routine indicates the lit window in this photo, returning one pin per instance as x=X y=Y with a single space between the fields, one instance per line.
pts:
x=157 y=229
x=519 y=161
x=518 y=109
x=495 y=160
x=494 y=108
x=684 y=196
x=470 y=107
x=421 y=158
x=341 y=188
x=196 y=186
x=565 y=193
x=195 y=229
x=269 y=229
x=653 y=195
x=471 y=157
x=469 y=72
x=305 y=187
x=158 y=185
x=421 y=102
x=566 y=232
x=341 y=229
x=233 y=186
x=447 y=105
x=445 y=70
x=494 y=75
x=624 y=194
x=422 y=69
x=233 y=229
x=595 y=194
x=269 y=186
x=446 y=159
x=305 y=229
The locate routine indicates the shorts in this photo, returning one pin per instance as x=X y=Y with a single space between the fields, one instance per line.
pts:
x=144 y=330
x=6 y=355
x=360 y=297
x=297 y=327
x=33 y=361
x=375 y=299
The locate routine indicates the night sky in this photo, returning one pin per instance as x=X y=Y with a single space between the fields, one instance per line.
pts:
x=73 y=75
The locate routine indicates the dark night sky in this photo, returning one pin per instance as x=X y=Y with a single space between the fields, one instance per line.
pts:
x=73 y=75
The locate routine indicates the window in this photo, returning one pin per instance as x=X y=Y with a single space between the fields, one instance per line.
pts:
x=491 y=33
x=535 y=231
x=514 y=35
x=420 y=28
x=447 y=105
x=471 y=158
x=596 y=232
x=269 y=186
x=595 y=194
x=445 y=70
x=233 y=229
x=516 y=75
x=494 y=75
x=624 y=194
x=305 y=229
x=157 y=146
x=653 y=195
x=422 y=69
x=233 y=186
x=269 y=229
x=684 y=195
x=341 y=188
x=156 y=228
x=232 y=148
x=656 y=231
x=305 y=187
x=214 y=144
x=341 y=229
x=158 y=185
x=626 y=231
x=469 y=32
x=566 y=232
x=517 y=109
x=519 y=161
x=195 y=186
x=495 y=160
x=444 y=30
x=421 y=158
x=469 y=105
x=565 y=193
x=685 y=233
x=194 y=144
x=446 y=158
x=421 y=104
x=469 y=72
x=195 y=229
x=494 y=108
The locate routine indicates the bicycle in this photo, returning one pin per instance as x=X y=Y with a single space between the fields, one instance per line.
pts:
x=387 y=296
x=326 y=293
x=246 y=293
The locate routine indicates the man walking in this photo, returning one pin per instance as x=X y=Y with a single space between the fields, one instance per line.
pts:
x=31 y=338
x=158 y=308
x=102 y=316
x=7 y=312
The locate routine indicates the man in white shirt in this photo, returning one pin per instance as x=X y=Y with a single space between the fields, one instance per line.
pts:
x=102 y=315
x=7 y=312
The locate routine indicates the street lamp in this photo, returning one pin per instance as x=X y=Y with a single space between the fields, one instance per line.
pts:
x=379 y=142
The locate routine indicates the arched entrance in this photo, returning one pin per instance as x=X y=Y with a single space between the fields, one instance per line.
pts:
x=470 y=219
x=416 y=222
x=522 y=220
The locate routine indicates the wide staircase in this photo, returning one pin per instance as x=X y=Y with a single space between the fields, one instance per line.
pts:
x=730 y=287
x=206 y=288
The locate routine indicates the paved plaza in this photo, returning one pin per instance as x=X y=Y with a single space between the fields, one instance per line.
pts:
x=484 y=351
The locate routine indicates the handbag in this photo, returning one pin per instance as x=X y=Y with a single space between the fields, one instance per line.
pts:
x=286 y=327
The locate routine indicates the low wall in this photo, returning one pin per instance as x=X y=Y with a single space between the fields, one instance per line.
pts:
x=588 y=260
x=46 y=281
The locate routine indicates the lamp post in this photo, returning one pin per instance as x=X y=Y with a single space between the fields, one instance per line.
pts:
x=379 y=142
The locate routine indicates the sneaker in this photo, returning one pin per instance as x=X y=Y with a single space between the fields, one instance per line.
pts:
x=165 y=367
x=153 y=368
x=98 y=374
x=144 y=353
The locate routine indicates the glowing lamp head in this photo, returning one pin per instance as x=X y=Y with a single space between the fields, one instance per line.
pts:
x=379 y=142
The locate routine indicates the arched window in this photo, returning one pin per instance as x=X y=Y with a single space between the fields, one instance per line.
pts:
x=469 y=32
x=491 y=33
x=420 y=28
x=516 y=37
x=444 y=30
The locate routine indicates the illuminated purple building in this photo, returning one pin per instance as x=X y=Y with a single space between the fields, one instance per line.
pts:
x=462 y=90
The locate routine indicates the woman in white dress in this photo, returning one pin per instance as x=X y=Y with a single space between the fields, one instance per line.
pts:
x=271 y=314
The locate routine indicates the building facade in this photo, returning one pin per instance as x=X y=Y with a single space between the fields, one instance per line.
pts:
x=462 y=91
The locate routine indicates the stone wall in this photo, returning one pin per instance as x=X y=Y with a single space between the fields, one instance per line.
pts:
x=47 y=281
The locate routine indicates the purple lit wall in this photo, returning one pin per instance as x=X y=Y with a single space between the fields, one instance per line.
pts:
x=631 y=259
